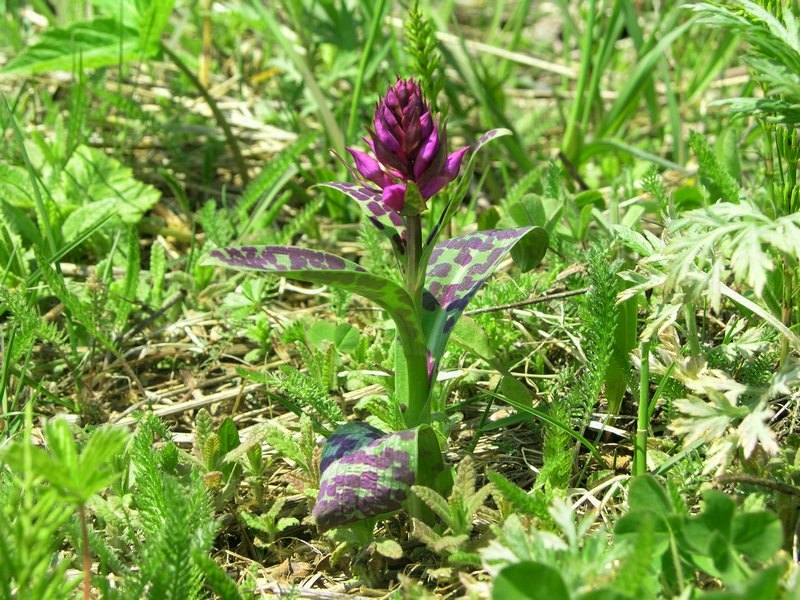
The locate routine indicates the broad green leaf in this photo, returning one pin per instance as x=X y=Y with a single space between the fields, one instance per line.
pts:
x=97 y=43
x=228 y=435
x=590 y=198
x=389 y=549
x=762 y=585
x=532 y=211
x=619 y=369
x=758 y=535
x=344 y=337
x=529 y=211
x=528 y=580
x=472 y=338
x=718 y=512
x=96 y=186
x=530 y=250
x=646 y=493
x=153 y=17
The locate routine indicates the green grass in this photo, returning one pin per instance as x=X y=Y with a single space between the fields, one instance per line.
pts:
x=664 y=173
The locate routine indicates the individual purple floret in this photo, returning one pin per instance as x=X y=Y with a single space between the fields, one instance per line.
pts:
x=408 y=143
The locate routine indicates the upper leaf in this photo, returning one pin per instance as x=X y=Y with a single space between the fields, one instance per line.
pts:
x=454 y=201
x=457 y=269
x=387 y=221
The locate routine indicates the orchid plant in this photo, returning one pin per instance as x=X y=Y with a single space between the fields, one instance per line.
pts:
x=364 y=471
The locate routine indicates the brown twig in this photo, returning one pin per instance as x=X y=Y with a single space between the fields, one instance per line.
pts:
x=143 y=324
x=537 y=300
x=783 y=488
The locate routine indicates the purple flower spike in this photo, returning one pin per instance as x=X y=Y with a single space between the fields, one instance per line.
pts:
x=408 y=144
x=370 y=168
x=446 y=174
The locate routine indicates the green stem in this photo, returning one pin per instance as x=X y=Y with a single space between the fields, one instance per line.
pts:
x=787 y=309
x=690 y=317
x=87 y=557
x=640 y=445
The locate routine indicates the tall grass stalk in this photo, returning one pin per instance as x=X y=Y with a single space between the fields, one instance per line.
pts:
x=643 y=420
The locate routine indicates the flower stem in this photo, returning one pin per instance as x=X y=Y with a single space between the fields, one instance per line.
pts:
x=417 y=385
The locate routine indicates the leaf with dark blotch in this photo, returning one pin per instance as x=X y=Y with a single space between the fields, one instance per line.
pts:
x=385 y=220
x=456 y=270
x=366 y=473
x=348 y=438
x=316 y=266
x=454 y=201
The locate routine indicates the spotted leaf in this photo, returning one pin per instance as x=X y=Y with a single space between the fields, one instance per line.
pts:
x=365 y=473
x=316 y=266
x=457 y=195
x=456 y=270
x=387 y=221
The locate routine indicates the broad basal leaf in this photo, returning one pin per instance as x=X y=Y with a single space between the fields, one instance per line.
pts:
x=348 y=438
x=365 y=473
x=387 y=221
x=456 y=270
x=322 y=267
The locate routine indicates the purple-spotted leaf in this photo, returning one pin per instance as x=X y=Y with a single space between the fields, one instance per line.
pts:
x=454 y=201
x=365 y=473
x=458 y=267
x=348 y=438
x=387 y=221
x=316 y=266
